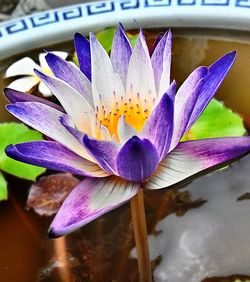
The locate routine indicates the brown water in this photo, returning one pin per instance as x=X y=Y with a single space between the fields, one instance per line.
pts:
x=101 y=250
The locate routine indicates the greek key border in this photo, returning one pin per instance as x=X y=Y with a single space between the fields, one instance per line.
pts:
x=87 y=10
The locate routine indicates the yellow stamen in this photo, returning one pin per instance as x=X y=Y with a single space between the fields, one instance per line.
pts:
x=135 y=110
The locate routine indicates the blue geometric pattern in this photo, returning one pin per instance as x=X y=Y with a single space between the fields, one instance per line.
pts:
x=243 y=3
x=44 y=19
x=86 y=10
x=69 y=14
x=157 y=3
x=100 y=8
x=16 y=27
x=129 y=4
x=186 y=2
x=215 y=2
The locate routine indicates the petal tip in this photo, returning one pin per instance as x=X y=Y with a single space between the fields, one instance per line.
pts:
x=8 y=93
x=92 y=36
x=38 y=72
x=233 y=55
x=9 y=150
x=52 y=234
x=79 y=38
x=49 y=55
x=121 y=27
x=10 y=107
x=77 y=35
x=41 y=74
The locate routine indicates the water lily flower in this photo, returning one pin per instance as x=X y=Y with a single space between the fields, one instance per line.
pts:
x=25 y=67
x=120 y=124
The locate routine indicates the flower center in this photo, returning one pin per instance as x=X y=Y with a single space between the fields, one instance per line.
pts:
x=135 y=110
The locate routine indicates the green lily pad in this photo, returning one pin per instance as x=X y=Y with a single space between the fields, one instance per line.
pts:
x=13 y=133
x=216 y=121
x=3 y=188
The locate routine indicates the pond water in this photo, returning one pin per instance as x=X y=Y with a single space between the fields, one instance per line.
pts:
x=198 y=233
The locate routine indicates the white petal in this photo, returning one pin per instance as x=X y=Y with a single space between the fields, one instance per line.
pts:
x=125 y=131
x=23 y=84
x=72 y=101
x=90 y=199
x=43 y=62
x=173 y=169
x=165 y=77
x=193 y=158
x=44 y=90
x=104 y=81
x=105 y=134
x=140 y=72
x=25 y=66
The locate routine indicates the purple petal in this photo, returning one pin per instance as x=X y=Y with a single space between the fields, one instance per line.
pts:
x=121 y=53
x=89 y=200
x=71 y=74
x=195 y=157
x=104 y=152
x=216 y=74
x=185 y=101
x=46 y=120
x=74 y=103
x=137 y=159
x=157 y=40
x=54 y=156
x=15 y=96
x=69 y=125
x=83 y=54
x=159 y=126
x=161 y=63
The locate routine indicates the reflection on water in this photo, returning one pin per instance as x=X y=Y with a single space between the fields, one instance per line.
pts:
x=211 y=239
x=189 y=53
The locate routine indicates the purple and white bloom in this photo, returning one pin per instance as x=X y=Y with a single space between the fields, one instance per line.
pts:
x=120 y=124
x=25 y=68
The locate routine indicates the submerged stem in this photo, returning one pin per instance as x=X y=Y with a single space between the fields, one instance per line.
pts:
x=61 y=256
x=141 y=239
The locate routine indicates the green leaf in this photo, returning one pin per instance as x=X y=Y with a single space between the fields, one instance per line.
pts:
x=75 y=59
x=216 y=121
x=3 y=188
x=132 y=38
x=105 y=37
x=13 y=133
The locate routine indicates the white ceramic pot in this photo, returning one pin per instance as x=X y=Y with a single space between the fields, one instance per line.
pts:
x=58 y=25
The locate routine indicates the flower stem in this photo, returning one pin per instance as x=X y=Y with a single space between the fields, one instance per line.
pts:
x=141 y=239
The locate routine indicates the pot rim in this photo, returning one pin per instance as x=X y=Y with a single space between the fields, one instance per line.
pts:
x=58 y=25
